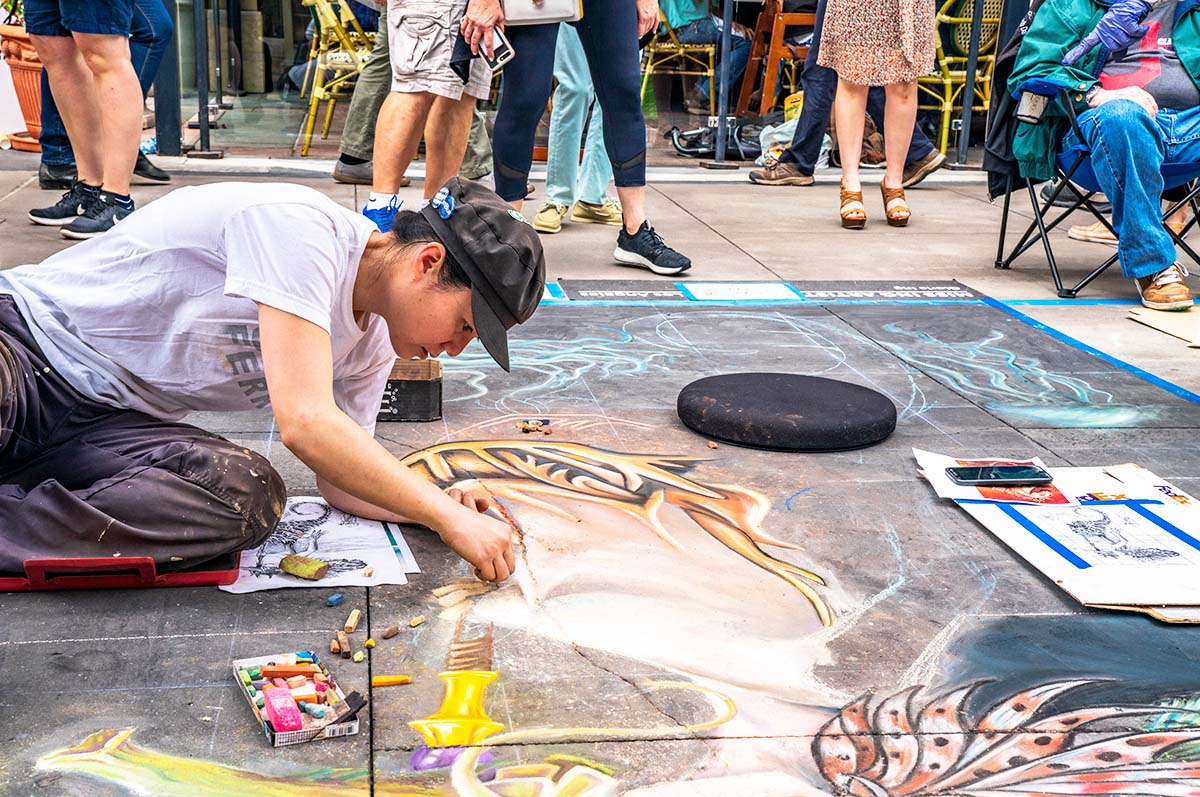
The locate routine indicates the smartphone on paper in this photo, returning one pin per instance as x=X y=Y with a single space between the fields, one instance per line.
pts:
x=502 y=51
x=999 y=475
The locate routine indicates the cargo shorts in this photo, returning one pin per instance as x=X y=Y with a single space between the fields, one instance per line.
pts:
x=421 y=36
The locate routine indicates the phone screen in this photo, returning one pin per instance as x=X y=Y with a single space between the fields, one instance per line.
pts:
x=995 y=474
x=502 y=51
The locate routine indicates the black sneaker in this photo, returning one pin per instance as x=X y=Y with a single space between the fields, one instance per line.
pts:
x=648 y=249
x=68 y=208
x=146 y=170
x=51 y=177
x=99 y=216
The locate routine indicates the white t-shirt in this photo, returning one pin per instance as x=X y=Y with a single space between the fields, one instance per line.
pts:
x=159 y=314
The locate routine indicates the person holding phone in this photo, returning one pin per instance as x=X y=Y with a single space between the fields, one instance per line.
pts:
x=609 y=32
x=426 y=95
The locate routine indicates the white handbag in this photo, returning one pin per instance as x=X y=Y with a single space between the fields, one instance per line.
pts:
x=542 y=12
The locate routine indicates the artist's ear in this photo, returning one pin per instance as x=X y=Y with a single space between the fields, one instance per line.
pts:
x=428 y=260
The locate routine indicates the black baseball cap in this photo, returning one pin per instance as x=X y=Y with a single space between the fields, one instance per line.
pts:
x=500 y=254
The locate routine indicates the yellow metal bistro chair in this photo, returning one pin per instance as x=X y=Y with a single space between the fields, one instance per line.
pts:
x=666 y=55
x=943 y=89
x=340 y=50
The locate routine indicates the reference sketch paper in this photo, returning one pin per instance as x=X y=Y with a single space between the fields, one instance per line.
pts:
x=1128 y=540
x=349 y=545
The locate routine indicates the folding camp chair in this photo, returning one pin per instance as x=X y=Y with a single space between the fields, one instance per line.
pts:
x=1076 y=175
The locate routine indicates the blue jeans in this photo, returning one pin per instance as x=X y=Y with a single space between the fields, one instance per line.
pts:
x=820 y=86
x=705 y=31
x=1129 y=147
x=150 y=32
x=572 y=99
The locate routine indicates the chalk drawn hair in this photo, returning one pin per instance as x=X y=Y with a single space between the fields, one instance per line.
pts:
x=640 y=485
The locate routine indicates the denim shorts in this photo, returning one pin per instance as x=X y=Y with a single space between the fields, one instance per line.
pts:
x=64 y=17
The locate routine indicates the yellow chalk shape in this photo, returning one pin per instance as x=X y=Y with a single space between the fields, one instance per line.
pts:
x=352 y=621
x=368 y=571
x=370 y=643
x=416 y=621
x=461 y=720
x=359 y=656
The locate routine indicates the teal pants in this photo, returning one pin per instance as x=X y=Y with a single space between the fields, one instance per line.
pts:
x=566 y=180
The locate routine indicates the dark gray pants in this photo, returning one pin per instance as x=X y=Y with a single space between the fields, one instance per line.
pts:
x=83 y=479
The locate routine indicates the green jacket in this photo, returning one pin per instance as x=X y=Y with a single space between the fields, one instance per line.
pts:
x=1057 y=27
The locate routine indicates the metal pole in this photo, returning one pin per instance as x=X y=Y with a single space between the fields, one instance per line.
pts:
x=964 y=135
x=723 y=92
x=217 y=46
x=202 y=72
x=167 y=111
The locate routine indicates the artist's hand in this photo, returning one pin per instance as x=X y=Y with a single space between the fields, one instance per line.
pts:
x=475 y=500
x=483 y=541
x=647 y=15
x=1134 y=93
x=477 y=23
x=1117 y=29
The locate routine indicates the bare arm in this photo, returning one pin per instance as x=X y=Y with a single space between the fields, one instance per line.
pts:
x=299 y=369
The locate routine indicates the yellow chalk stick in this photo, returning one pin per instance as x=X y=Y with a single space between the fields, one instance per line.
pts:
x=390 y=680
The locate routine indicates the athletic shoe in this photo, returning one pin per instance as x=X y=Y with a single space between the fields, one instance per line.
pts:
x=69 y=207
x=146 y=170
x=607 y=213
x=647 y=249
x=1095 y=233
x=1165 y=290
x=383 y=216
x=52 y=177
x=918 y=170
x=781 y=173
x=101 y=214
x=359 y=174
x=549 y=218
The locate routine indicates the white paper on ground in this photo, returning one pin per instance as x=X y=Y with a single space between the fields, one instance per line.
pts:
x=349 y=544
x=933 y=468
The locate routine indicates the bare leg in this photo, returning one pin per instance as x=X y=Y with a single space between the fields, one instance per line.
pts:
x=397 y=133
x=74 y=90
x=633 y=206
x=446 y=132
x=849 y=111
x=899 y=116
x=119 y=94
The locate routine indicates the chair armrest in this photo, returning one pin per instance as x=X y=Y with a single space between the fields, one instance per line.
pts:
x=1043 y=87
x=1034 y=96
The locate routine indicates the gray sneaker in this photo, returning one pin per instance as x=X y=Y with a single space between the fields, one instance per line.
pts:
x=358 y=174
x=68 y=208
x=100 y=216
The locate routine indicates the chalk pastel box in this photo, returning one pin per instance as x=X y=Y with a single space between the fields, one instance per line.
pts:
x=324 y=694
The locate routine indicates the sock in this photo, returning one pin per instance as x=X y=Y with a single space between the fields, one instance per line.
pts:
x=123 y=200
x=424 y=204
x=91 y=189
x=350 y=160
x=381 y=201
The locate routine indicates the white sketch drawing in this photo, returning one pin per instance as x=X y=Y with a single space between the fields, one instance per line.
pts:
x=1115 y=533
x=349 y=545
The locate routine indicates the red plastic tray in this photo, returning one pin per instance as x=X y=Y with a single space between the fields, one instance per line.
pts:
x=124 y=573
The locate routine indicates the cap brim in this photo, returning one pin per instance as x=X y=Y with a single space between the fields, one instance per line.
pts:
x=489 y=329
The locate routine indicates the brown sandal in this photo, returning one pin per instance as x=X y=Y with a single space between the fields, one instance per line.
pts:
x=853 y=211
x=895 y=207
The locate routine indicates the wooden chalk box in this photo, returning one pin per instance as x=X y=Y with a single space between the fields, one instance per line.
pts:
x=413 y=392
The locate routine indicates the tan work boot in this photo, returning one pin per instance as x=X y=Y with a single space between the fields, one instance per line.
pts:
x=607 y=213
x=780 y=173
x=550 y=217
x=918 y=170
x=1095 y=233
x=1165 y=290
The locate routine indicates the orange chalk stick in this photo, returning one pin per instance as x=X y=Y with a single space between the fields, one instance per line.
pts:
x=288 y=670
x=296 y=681
x=390 y=680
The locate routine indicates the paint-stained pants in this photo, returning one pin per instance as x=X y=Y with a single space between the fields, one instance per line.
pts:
x=82 y=479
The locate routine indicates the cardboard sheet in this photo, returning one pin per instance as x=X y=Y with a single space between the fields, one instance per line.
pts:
x=1183 y=325
x=1128 y=540
x=349 y=544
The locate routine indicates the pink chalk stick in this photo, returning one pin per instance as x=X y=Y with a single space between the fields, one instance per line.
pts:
x=320 y=687
x=282 y=710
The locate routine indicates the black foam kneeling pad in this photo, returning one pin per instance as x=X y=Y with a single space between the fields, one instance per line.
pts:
x=787 y=412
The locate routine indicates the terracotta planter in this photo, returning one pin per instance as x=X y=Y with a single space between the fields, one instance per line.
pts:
x=26 y=69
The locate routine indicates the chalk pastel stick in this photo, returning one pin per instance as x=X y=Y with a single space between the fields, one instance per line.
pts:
x=305 y=695
x=390 y=680
x=352 y=621
x=391 y=631
x=359 y=656
x=282 y=684
x=288 y=670
x=255 y=673
x=344 y=644
x=304 y=567
x=320 y=677
x=281 y=710
x=296 y=681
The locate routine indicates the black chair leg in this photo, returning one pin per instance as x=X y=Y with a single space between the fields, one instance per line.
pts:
x=1000 y=261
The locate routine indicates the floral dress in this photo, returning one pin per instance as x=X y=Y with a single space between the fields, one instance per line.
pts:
x=878 y=42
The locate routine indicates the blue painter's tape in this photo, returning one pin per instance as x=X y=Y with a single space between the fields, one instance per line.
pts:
x=556 y=290
x=1108 y=358
x=1068 y=302
x=1174 y=531
x=1037 y=531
